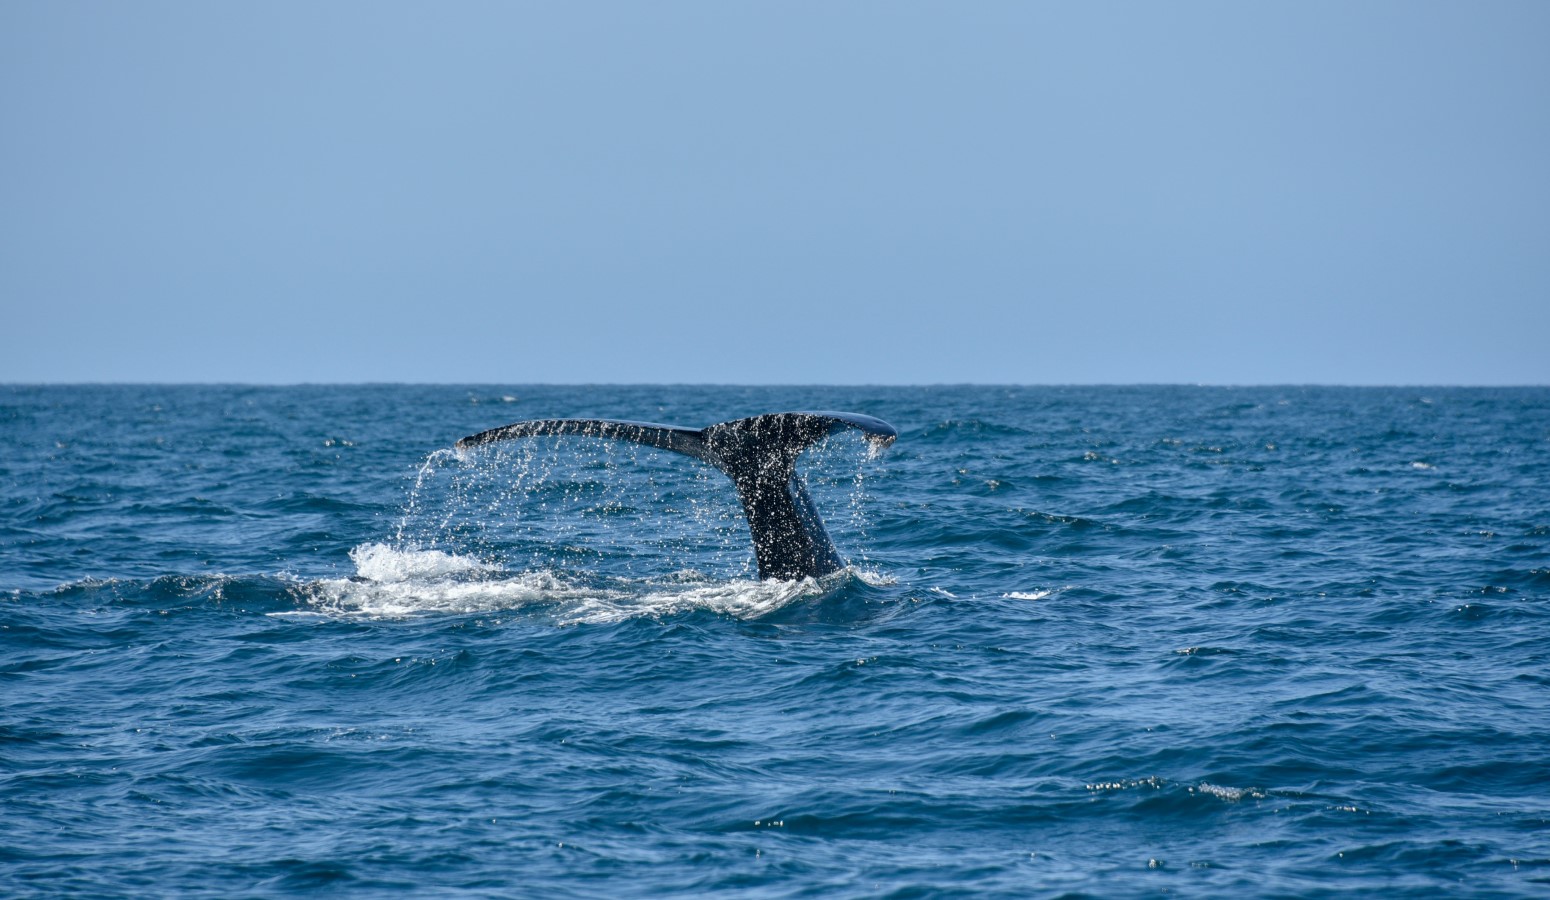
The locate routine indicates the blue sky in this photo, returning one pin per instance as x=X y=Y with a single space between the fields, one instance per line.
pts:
x=898 y=193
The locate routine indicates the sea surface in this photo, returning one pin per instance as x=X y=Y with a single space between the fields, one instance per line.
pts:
x=1093 y=641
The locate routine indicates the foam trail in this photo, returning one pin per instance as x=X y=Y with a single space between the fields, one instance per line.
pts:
x=408 y=582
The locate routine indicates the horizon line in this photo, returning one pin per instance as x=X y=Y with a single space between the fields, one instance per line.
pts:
x=774 y=384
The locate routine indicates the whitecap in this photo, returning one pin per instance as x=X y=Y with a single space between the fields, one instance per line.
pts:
x=1027 y=595
x=1229 y=794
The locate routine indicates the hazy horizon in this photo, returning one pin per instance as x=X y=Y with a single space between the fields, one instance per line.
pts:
x=751 y=384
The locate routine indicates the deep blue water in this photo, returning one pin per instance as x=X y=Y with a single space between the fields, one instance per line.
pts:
x=1101 y=641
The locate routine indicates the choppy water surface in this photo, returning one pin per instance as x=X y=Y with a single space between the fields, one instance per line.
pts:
x=1276 y=641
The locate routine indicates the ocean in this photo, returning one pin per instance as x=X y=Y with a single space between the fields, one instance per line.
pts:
x=1091 y=641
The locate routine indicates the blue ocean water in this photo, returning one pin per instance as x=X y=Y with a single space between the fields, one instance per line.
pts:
x=1093 y=641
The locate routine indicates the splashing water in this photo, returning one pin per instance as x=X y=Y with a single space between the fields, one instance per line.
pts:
x=585 y=530
x=405 y=582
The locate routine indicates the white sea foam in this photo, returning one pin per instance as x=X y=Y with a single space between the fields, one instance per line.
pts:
x=397 y=582
x=381 y=563
x=739 y=599
x=1027 y=595
x=406 y=582
x=1229 y=794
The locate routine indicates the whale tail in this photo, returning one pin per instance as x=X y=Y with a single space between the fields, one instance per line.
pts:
x=759 y=454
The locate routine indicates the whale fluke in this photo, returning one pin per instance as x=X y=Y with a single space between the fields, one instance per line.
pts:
x=759 y=454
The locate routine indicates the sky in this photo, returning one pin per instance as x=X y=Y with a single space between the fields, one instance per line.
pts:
x=1352 y=192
